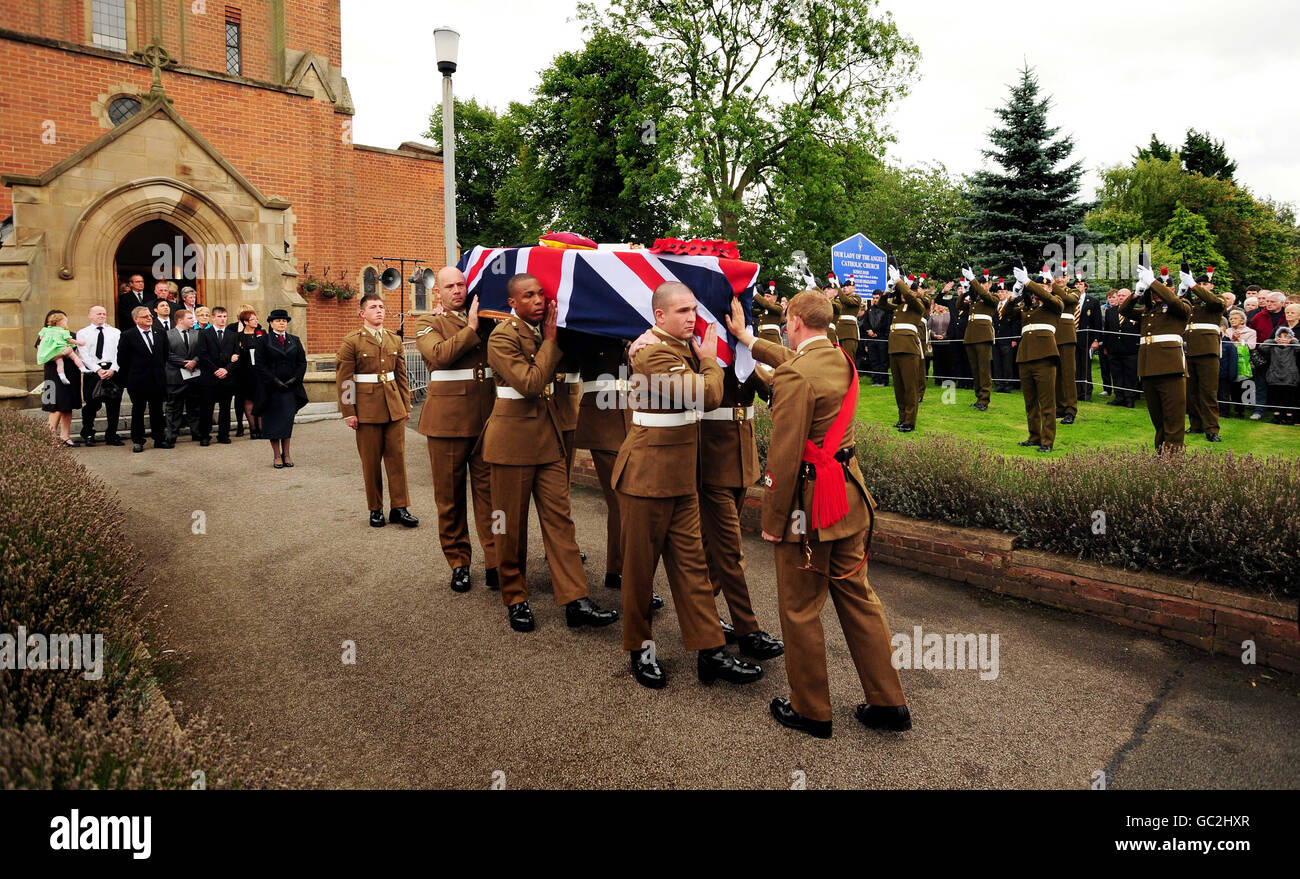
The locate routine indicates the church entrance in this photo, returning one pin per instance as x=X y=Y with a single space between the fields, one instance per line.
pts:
x=157 y=250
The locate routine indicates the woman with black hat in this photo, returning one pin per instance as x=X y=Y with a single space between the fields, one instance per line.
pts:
x=281 y=363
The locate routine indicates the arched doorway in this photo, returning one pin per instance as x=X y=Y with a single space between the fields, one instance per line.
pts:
x=138 y=254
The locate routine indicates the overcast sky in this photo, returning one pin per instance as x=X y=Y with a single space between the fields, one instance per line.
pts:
x=1116 y=70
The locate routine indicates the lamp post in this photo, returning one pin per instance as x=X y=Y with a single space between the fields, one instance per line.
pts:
x=446 y=42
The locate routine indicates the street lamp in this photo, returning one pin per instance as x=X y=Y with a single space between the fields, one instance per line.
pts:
x=446 y=42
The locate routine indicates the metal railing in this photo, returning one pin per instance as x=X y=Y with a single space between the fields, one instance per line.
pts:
x=416 y=371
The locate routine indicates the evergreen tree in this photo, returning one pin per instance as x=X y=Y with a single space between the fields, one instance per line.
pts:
x=1031 y=202
x=1157 y=150
x=1188 y=235
x=1203 y=154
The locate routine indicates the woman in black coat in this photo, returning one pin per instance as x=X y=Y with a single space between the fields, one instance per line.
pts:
x=246 y=379
x=281 y=366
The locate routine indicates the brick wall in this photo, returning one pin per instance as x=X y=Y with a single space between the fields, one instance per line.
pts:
x=350 y=204
x=1201 y=614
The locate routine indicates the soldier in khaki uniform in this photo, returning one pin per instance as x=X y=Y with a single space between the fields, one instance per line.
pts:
x=982 y=309
x=846 y=319
x=460 y=398
x=375 y=400
x=905 y=352
x=817 y=512
x=832 y=293
x=1067 y=339
x=767 y=315
x=1161 y=364
x=656 y=477
x=1039 y=310
x=730 y=465
x=1203 y=341
x=523 y=443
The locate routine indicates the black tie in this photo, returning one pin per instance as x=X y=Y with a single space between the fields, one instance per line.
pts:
x=148 y=341
x=99 y=345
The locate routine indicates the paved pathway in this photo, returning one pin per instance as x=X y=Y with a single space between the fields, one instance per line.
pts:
x=444 y=694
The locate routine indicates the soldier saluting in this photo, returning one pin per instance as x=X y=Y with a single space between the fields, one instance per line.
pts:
x=1203 y=340
x=375 y=399
x=978 y=341
x=1161 y=365
x=906 y=357
x=817 y=512
x=1037 y=356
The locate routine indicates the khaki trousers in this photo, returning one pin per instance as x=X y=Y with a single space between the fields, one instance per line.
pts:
x=1038 y=380
x=451 y=460
x=906 y=369
x=980 y=356
x=1167 y=405
x=724 y=552
x=384 y=443
x=604 y=462
x=1067 y=392
x=667 y=527
x=1203 y=392
x=548 y=485
x=801 y=594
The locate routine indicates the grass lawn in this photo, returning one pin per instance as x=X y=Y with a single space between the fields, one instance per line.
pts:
x=1096 y=427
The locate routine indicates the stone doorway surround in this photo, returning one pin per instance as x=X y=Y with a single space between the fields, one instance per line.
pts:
x=70 y=220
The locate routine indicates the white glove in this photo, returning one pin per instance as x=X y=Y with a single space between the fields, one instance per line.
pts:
x=965 y=286
x=1146 y=278
x=1187 y=282
x=967 y=274
x=1021 y=276
x=892 y=274
x=1016 y=288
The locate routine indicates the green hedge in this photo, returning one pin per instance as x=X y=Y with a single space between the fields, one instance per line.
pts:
x=61 y=573
x=1230 y=519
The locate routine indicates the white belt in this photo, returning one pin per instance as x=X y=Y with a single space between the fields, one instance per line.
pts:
x=987 y=317
x=572 y=378
x=763 y=328
x=605 y=384
x=1210 y=327
x=460 y=375
x=730 y=413
x=1163 y=337
x=911 y=328
x=666 y=419
x=1029 y=328
x=848 y=317
x=373 y=377
x=505 y=392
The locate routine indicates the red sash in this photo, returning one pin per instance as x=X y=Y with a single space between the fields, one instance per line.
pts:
x=830 y=492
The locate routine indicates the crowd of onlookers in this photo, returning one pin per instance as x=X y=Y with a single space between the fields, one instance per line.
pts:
x=179 y=362
x=1258 y=373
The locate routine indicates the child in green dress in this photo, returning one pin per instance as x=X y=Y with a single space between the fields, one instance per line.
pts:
x=57 y=341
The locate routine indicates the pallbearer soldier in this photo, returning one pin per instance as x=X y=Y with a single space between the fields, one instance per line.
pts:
x=657 y=480
x=1039 y=311
x=522 y=441
x=460 y=398
x=982 y=306
x=817 y=512
x=1203 y=341
x=1067 y=392
x=729 y=457
x=568 y=395
x=846 y=321
x=906 y=358
x=375 y=399
x=1161 y=365
x=767 y=315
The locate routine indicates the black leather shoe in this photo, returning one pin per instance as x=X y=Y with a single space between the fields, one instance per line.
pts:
x=1196 y=430
x=1044 y=448
x=647 y=670
x=1129 y=404
x=906 y=428
x=728 y=630
x=460 y=578
x=585 y=612
x=521 y=617
x=377 y=519
x=136 y=447
x=1212 y=438
x=656 y=603
x=88 y=441
x=583 y=556
x=895 y=718
x=1067 y=419
x=239 y=432
x=761 y=645
x=113 y=441
x=205 y=442
x=613 y=581
x=897 y=425
x=981 y=407
x=402 y=515
x=1026 y=443
x=718 y=663
x=787 y=716
x=1114 y=403
x=493 y=578
x=224 y=442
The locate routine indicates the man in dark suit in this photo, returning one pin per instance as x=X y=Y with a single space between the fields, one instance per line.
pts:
x=876 y=335
x=163 y=320
x=183 y=383
x=1103 y=353
x=1089 y=312
x=1121 y=345
x=141 y=356
x=1006 y=331
x=218 y=353
x=131 y=300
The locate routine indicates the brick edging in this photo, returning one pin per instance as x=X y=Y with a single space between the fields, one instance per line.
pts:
x=1205 y=615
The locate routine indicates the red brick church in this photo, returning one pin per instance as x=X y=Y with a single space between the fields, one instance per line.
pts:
x=133 y=126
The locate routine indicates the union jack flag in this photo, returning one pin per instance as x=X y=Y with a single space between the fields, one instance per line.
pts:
x=607 y=292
